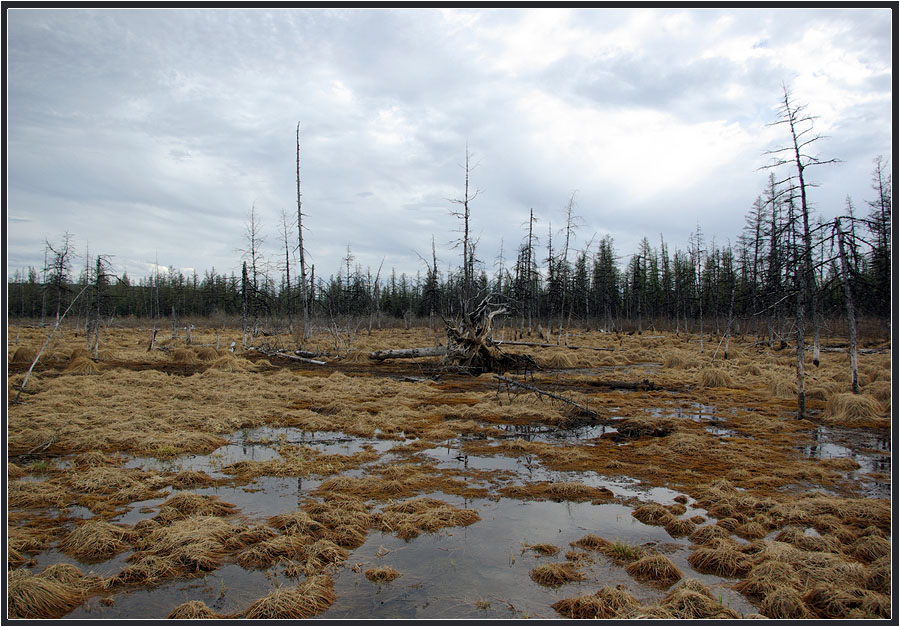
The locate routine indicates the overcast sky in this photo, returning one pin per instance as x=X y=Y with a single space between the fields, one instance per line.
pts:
x=149 y=134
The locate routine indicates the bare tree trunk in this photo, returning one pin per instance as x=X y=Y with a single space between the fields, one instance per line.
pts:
x=851 y=314
x=303 y=287
x=59 y=320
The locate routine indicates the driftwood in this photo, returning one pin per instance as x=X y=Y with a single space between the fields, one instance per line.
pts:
x=268 y=352
x=303 y=359
x=541 y=392
x=541 y=345
x=408 y=353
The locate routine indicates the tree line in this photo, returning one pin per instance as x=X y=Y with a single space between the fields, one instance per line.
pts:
x=783 y=269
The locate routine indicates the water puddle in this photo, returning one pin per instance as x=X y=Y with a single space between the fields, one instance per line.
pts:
x=475 y=572
x=871 y=449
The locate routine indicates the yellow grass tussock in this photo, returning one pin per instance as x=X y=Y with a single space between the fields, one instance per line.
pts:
x=784 y=602
x=313 y=596
x=715 y=378
x=782 y=387
x=720 y=558
x=653 y=514
x=654 y=568
x=851 y=409
x=381 y=574
x=23 y=356
x=193 y=610
x=553 y=575
x=541 y=548
x=608 y=602
x=765 y=577
x=32 y=596
x=94 y=540
x=692 y=600
x=82 y=365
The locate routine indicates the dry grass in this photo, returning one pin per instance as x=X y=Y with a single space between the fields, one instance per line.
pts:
x=692 y=600
x=184 y=504
x=94 y=540
x=407 y=519
x=32 y=596
x=655 y=568
x=878 y=575
x=592 y=542
x=193 y=610
x=784 y=602
x=608 y=602
x=766 y=577
x=553 y=575
x=715 y=378
x=708 y=534
x=23 y=356
x=653 y=514
x=557 y=491
x=779 y=387
x=82 y=365
x=870 y=548
x=381 y=574
x=541 y=549
x=720 y=558
x=313 y=596
x=850 y=409
x=678 y=527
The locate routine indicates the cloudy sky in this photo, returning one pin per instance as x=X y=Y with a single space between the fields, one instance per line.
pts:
x=149 y=134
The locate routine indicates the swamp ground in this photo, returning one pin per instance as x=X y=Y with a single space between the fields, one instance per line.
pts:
x=194 y=481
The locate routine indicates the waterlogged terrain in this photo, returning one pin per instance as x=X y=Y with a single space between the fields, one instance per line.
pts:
x=191 y=482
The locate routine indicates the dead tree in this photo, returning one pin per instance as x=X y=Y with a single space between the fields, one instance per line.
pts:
x=851 y=314
x=303 y=287
x=796 y=154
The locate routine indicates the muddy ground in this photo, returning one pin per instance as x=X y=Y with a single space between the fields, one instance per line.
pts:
x=191 y=481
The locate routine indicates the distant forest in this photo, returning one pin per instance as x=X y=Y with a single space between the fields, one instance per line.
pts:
x=754 y=280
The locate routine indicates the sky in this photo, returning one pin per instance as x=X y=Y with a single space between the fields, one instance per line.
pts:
x=149 y=134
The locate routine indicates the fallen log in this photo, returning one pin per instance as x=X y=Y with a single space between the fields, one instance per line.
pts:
x=408 y=353
x=541 y=392
x=303 y=359
x=541 y=345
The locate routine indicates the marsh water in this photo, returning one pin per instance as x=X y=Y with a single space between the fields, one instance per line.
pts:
x=476 y=572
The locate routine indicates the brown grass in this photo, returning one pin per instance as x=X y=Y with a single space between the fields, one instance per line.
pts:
x=193 y=610
x=653 y=514
x=381 y=574
x=870 y=548
x=766 y=577
x=35 y=596
x=23 y=356
x=878 y=575
x=608 y=602
x=678 y=527
x=654 y=568
x=554 y=575
x=708 y=534
x=297 y=521
x=691 y=599
x=94 y=540
x=783 y=602
x=780 y=387
x=313 y=596
x=851 y=409
x=82 y=365
x=559 y=491
x=592 y=542
x=715 y=378
x=720 y=558
x=206 y=353
x=184 y=504
x=541 y=549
